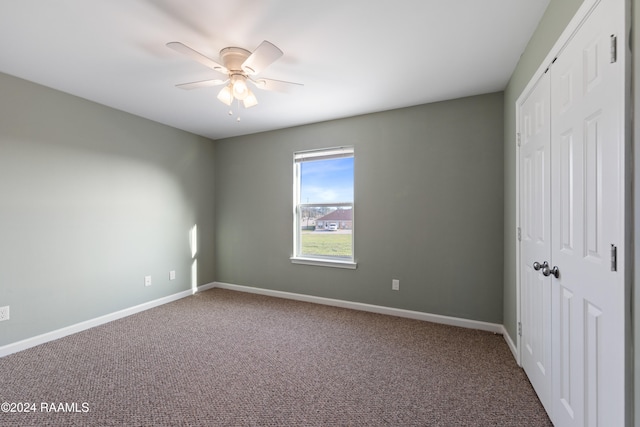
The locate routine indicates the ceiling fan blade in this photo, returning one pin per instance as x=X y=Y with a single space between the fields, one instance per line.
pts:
x=203 y=83
x=275 y=85
x=197 y=56
x=261 y=58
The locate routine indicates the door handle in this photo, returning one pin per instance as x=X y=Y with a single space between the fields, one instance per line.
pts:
x=537 y=266
x=555 y=272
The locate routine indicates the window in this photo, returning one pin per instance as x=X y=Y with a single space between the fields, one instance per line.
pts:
x=323 y=207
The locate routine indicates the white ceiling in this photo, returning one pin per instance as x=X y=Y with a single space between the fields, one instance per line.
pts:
x=353 y=56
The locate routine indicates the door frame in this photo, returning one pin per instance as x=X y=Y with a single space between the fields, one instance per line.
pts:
x=627 y=122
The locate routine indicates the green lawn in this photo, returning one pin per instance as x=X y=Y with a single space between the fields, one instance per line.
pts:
x=326 y=244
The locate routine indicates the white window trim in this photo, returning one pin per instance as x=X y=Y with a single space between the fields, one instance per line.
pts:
x=299 y=157
x=324 y=262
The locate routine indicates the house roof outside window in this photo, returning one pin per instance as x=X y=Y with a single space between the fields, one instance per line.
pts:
x=338 y=215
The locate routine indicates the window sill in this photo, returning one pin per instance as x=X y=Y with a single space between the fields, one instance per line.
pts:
x=324 y=263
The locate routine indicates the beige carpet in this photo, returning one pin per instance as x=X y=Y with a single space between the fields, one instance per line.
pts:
x=224 y=358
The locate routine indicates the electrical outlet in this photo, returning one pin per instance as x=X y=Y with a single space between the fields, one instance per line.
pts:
x=4 y=313
x=172 y=275
x=147 y=280
x=395 y=285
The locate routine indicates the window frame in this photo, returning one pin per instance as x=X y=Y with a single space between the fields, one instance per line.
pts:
x=318 y=260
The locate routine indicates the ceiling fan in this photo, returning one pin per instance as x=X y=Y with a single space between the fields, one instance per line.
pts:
x=240 y=66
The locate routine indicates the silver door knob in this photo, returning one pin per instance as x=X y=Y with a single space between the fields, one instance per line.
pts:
x=555 y=272
x=537 y=266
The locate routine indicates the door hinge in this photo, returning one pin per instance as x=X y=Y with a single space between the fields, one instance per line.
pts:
x=518 y=139
x=520 y=329
x=614 y=258
x=614 y=48
x=519 y=234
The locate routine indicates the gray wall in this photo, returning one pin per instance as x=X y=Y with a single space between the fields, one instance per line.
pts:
x=92 y=200
x=636 y=146
x=428 y=209
x=554 y=21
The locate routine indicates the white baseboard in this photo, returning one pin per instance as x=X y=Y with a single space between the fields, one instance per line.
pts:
x=72 y=329
x=417 y=315
x=511 y=344
x=206 y=287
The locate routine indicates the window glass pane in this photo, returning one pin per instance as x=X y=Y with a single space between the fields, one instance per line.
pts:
x=326 y=181
x=326 y=232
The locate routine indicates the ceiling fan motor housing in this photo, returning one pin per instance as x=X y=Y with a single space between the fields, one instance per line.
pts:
x=233 y=58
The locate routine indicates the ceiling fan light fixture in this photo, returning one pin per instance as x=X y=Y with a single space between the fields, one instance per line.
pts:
x=250 y=100
x=225 y=95
x=240 y=88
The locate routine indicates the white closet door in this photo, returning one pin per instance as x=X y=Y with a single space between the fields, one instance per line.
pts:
x=535 y=186
x=587 y=175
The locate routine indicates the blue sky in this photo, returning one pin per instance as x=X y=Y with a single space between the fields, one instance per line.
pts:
x=326 y=181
